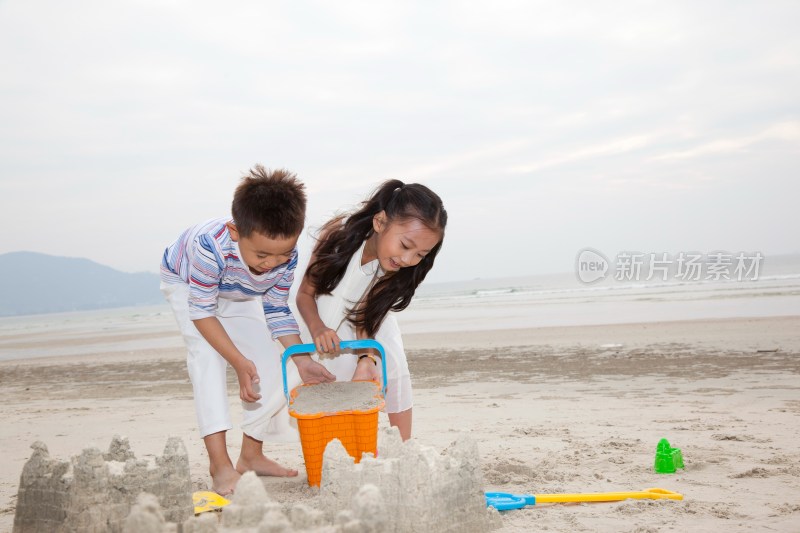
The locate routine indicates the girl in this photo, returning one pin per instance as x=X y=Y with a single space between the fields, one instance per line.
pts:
x=364 y=265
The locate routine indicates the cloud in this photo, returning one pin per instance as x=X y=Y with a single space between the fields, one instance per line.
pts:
x=785 y=131
x=613 y=147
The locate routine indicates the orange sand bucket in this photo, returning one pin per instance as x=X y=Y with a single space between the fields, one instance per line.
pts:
x=356 y=429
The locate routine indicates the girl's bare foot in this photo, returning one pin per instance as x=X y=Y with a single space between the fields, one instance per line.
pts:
x=263 y=467
x=224 y=480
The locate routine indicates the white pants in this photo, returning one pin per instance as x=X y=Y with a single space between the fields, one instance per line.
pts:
x=244 y=322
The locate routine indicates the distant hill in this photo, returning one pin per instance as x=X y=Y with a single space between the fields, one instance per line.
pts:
x=33 y=283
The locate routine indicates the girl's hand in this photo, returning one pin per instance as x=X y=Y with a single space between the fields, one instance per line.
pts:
x=247 y=375
x=310 y=371
x=326 y=340
x=366 y=370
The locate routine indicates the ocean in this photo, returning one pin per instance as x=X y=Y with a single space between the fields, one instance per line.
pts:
x=474 y=305
x=563 y=300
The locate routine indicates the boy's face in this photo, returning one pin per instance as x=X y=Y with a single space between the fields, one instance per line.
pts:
x=262 y=253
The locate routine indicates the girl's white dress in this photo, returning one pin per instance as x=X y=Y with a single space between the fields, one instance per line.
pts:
x=333 y=307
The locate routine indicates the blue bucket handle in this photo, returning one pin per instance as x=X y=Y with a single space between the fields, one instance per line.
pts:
x=343 y=345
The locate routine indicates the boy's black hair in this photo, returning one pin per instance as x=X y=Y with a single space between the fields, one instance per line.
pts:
x=270 y=202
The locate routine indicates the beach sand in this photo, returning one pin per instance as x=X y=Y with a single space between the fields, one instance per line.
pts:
x=562 y=409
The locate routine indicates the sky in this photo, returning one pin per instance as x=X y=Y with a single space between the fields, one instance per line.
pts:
x=546 y=127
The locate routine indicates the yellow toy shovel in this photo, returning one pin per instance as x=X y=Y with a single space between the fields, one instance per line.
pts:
x=205 y=501
x=504 y=501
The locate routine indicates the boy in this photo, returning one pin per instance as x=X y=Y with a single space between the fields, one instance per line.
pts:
x=227 y=281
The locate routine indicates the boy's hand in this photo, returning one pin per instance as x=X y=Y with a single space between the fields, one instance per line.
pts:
x=248 y=376
x=367 y=370
x=326 y=340
x=310 y=371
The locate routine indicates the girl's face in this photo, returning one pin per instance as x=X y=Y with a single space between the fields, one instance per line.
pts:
x=402 y=243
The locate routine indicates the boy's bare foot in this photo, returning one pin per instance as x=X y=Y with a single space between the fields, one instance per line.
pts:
x=224 y=481
x=264 y=467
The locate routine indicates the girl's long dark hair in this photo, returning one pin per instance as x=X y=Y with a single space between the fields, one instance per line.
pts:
x=393 y=291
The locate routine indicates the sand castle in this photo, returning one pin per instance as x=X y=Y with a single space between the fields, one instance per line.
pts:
x=407 y=488
x=94 y=491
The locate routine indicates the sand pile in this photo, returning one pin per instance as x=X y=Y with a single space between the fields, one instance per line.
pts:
x=94 y=491
x=336 y=396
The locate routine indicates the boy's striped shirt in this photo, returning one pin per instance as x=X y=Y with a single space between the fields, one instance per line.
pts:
x=205 y=257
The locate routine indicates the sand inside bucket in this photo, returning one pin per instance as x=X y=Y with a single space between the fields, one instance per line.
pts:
x=336 y=396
